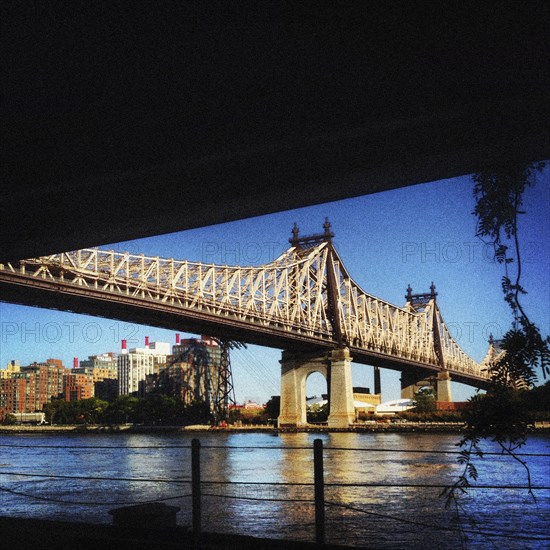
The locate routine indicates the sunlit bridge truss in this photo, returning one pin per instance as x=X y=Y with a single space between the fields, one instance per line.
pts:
x=303 y=300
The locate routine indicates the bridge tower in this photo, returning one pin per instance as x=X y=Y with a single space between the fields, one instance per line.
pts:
x=212 y=379
x=225 y=391
x=414 y=379
x=335 y=365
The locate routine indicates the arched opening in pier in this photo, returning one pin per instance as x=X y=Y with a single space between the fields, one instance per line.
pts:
x=316 y=397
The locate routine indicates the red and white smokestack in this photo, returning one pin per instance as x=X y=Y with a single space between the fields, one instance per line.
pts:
x=177 y=338
x=147 y=342
x=124 y=349
x=75 y=362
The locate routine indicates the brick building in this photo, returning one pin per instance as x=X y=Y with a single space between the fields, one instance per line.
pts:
x=28 y=389
x=13 y=396
x=77 y=386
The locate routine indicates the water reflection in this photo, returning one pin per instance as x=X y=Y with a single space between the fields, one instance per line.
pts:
x=146 y=458
x=255 y=484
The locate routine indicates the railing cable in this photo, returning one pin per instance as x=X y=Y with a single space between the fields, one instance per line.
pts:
x=91 y=503
x=270 y=483
x=438 y=527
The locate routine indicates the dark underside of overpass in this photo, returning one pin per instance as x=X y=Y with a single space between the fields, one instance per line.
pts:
x=122 y=121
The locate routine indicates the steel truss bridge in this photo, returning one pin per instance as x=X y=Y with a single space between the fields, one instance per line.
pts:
x=305 y=300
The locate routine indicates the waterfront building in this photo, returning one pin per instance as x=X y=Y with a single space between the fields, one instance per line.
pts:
x=77 y=386
x=103 y=370
x=363 y=395
x=104 y=362
x=28 y=389
x=48 y=380
x=174 y=380
x=134 y=366
x=395 y=406
x=13 y=396
x=98 y=374
x=11 y=367
x=100 y=367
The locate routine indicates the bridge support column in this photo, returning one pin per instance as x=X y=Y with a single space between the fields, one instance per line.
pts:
x=295 y=368
x=412 y=380
x=377 y=384
x=444 y=386
x=342 y=411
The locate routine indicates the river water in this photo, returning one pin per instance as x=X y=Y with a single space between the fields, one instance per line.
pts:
x=381 y=492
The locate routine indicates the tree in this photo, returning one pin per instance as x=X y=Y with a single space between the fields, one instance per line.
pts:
x=91 y=411
x=499 y=198
x=273 y=407
x=500 y=414
x=159 y=409
x=9 y=420
x=317 y=412
x=59 y=411
x=197 y=412
x=537 y=401
x=122 y=409
x=424 y=401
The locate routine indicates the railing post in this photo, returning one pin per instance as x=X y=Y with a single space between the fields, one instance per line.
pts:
x=318 y=479
x=196 y=486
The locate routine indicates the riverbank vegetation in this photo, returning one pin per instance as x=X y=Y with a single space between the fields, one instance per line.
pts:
x=154 y=410
x=525 y=405
x=125 y=409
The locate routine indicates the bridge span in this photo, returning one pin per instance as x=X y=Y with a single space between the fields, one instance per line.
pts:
x=304 y=302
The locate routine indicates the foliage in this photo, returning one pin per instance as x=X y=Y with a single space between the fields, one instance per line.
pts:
x=538 y=399
x=509 y=412
x=435 y=416
x=248 y=416
x=317 y=413
x=122 y=410
x=424 y=401
x=501 y=415
x=490 y=414
x=273 y=407
x=152 y=410
x=159 y=409
x=196 y=413
x=9 y=420
x=498 y=195
x=84 y=411
x=499 y=200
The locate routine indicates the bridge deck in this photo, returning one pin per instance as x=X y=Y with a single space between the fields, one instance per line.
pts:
x=303 y=301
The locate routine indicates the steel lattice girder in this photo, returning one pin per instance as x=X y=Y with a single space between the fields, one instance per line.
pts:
x=287 y=298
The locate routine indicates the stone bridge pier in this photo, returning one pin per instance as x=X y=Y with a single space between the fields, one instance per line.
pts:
x=413 y=380
x=335 y=366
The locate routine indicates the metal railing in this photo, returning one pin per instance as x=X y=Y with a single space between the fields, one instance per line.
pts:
x=200 y=486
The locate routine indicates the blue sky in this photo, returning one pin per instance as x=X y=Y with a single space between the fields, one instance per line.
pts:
x=414 y=235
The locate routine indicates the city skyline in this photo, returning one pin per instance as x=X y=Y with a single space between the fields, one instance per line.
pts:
x=387 y=241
